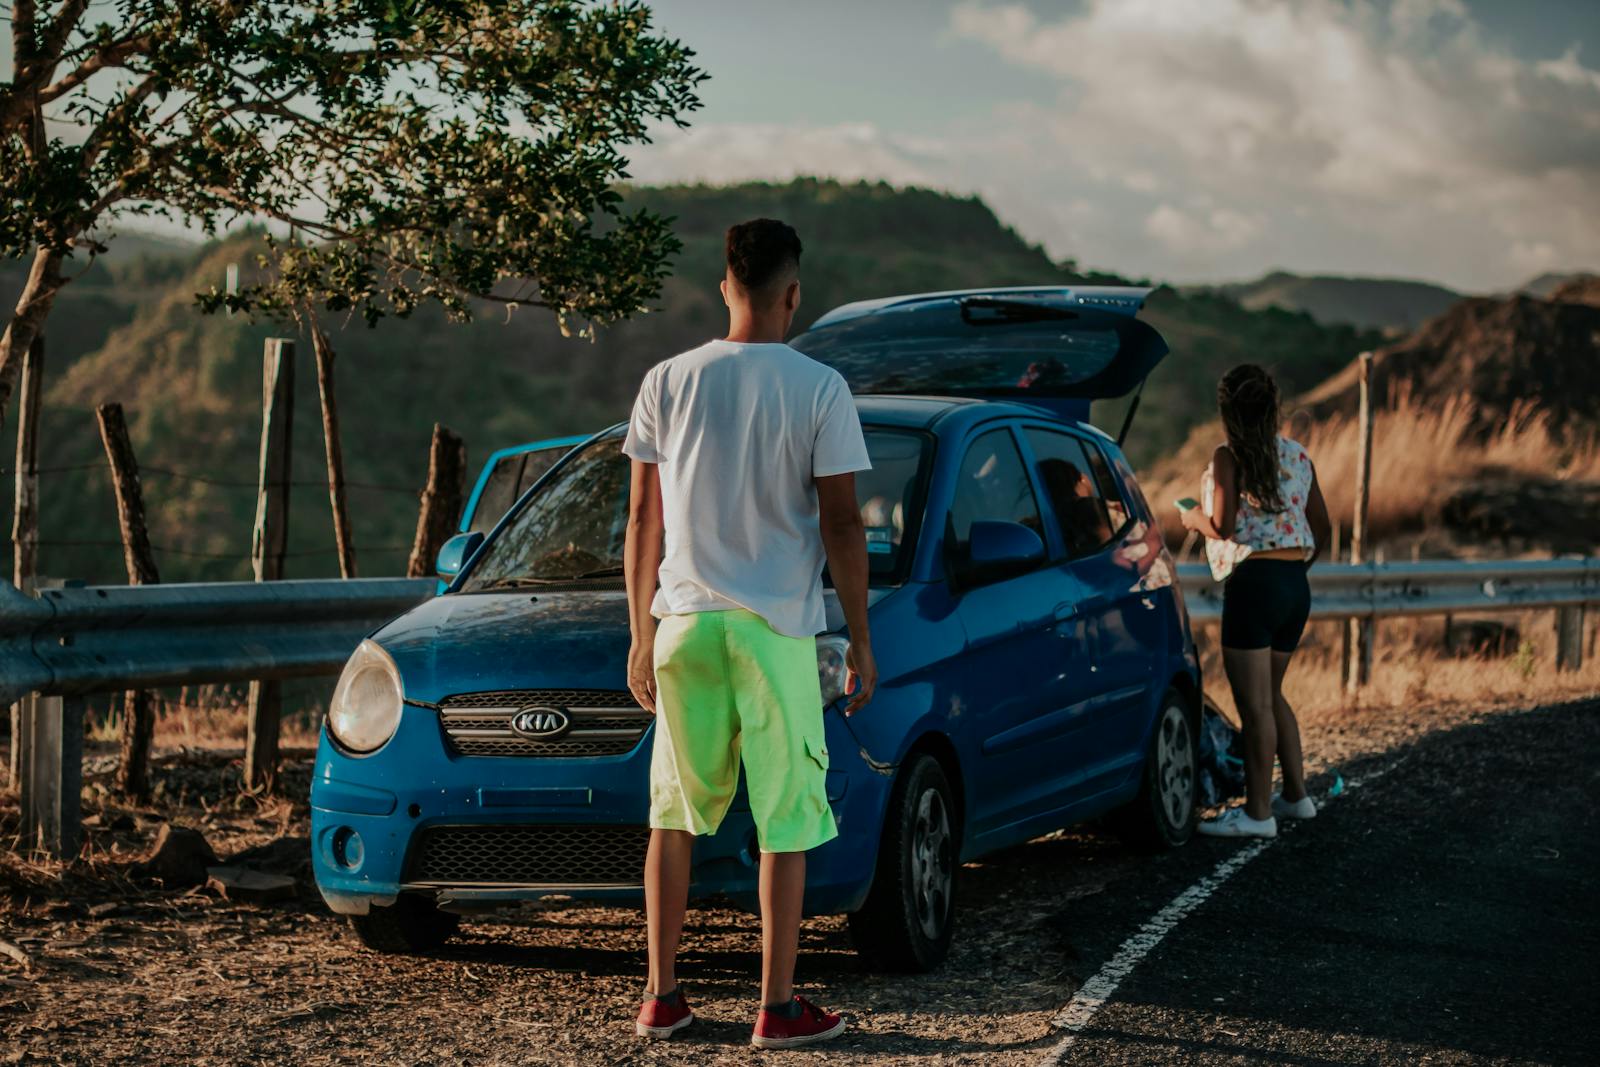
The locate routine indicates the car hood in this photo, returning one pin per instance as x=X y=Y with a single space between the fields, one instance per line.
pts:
x=473 y=642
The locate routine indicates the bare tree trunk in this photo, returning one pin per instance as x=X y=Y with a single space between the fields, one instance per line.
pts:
x=139 y=713
x=25 y=516
x=441 y=501
x=27 y=321
x=342 y=537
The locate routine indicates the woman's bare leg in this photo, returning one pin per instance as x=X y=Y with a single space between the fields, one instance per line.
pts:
x=1290 y=759
x=1250 y=674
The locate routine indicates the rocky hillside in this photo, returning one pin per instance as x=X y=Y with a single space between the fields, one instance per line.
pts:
x=127 y=330
x=1502 y=355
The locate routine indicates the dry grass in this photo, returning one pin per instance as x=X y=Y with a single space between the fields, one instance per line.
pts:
x=1420 y=455
x=204 y=717
x=1411 y=671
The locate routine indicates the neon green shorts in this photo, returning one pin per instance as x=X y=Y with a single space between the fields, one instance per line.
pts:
x=729 y=687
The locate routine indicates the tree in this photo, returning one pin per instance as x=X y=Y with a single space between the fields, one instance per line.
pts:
x=419 y=150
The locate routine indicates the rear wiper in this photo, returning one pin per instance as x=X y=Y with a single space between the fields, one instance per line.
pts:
x=999 y=309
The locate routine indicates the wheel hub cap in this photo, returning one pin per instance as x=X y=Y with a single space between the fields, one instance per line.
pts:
x=932 y=863
x=1175 y=766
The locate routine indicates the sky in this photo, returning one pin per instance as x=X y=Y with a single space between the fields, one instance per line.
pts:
x=1456 y=141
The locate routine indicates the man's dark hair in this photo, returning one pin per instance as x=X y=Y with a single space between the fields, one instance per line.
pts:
x=761 y=251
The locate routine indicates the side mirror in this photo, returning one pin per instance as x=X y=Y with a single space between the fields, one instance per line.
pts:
x=454 y=553
x=997 y=549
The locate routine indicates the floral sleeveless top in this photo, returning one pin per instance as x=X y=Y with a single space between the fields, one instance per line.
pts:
x=1256 y=530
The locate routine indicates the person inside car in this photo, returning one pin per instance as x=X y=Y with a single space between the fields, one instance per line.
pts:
x=744 y=455
x=1264 y=520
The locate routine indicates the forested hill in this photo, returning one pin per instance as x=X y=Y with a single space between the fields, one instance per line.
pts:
x=127 y=330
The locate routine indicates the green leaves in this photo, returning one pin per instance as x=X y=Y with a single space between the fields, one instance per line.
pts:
x=413 y=152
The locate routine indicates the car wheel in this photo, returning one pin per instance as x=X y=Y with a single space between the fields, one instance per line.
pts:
x=907 y=920
x=411 y=924
x=1163 y=814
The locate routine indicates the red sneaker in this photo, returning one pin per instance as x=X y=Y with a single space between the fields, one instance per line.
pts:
x=812 y=1024
x=660 y=1019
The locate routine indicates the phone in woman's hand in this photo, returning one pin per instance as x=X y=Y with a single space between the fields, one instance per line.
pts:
x=1186 y=503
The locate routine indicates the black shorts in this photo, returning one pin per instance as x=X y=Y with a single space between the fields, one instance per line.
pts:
x=1265 y=604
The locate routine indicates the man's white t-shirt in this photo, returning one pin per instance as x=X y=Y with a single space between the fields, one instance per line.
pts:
x=739 y=431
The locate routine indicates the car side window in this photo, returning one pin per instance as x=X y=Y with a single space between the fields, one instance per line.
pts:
x=1078 y=483
x=993 y=484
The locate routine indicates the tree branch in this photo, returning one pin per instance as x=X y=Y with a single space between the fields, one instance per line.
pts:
x=111 y=56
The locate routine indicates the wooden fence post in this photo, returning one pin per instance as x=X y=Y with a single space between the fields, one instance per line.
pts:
x=441 y=501
x=25 y=513
x=342 y=538
x=1359 y=670
x=1569 y=637
x=138 y=709
x=268 y=544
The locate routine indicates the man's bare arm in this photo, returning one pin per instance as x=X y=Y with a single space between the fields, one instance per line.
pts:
x=641 y=568
x=844 y=538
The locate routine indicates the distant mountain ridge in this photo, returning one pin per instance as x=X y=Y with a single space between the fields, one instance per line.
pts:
x=1393 y=305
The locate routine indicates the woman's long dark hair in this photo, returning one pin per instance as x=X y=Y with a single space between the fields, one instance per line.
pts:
x=1248 y=401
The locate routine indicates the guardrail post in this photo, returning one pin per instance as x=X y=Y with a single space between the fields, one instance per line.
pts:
x=268 y=546
x=1569 y=637
x=52 y=777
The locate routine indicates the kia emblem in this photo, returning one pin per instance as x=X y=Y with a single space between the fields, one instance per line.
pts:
x=540 y=723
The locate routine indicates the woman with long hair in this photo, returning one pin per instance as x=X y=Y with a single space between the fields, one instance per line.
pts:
x=1264 y=520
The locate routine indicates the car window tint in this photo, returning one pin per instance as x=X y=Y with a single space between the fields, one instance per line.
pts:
x=993 y=484
x=1116 y=507
x=1067 y=472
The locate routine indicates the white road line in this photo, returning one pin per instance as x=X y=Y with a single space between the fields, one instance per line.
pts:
x=1097 y=991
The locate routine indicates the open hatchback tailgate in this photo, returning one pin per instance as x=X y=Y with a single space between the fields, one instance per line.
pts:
x=1057 y=347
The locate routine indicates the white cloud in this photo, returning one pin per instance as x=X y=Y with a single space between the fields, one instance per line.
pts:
x=1345 y=135
x=729 y=152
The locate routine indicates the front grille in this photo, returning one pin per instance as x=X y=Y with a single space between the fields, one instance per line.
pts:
x=605 y=722
x=529 y=855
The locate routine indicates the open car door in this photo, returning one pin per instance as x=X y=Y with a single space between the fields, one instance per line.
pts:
x=1057 y=347
x=507 y=475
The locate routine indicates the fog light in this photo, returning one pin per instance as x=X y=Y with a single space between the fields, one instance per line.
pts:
x=347 y=848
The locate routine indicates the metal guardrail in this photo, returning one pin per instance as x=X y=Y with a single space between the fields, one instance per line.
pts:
x=69 y=642
x=72 y=641
x=1434 y=587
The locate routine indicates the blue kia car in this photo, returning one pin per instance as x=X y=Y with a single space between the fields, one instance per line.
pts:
x=1036 y=666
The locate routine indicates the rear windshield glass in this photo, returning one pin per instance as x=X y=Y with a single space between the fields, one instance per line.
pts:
x=574 y=526
x=885 y=354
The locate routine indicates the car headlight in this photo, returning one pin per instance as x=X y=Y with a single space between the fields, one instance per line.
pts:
x=832 y=670
x=365 y=711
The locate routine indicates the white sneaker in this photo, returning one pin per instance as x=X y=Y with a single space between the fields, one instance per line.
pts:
x=1235 y=823
x=1304 y=808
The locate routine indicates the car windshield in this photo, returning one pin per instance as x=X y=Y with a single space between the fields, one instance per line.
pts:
x=573 y=528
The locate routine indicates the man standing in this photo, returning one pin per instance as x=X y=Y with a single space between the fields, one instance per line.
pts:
x=744 y=458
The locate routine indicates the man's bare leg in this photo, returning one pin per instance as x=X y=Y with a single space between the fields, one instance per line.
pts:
x=666 y=897
x=783 y=887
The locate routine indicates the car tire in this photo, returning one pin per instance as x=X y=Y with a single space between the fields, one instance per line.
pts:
x=411 y=924
x=908 y=919
x=1164 y=815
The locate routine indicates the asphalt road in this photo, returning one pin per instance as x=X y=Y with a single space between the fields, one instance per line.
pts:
x=1444 y=913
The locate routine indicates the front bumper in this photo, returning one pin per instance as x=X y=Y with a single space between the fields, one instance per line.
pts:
x=371 y=817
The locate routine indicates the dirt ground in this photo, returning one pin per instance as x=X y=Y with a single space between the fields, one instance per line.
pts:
x=125 y=971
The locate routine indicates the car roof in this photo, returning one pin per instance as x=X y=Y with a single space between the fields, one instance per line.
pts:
x=949 y=413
